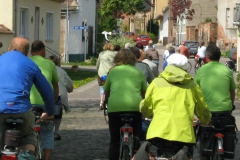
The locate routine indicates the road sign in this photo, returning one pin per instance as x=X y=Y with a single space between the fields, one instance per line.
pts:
x=79 y=27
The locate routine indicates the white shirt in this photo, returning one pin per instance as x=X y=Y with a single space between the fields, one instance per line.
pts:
x=152 y=66
x=146 y=48
x=165 y=54
x=201 y=52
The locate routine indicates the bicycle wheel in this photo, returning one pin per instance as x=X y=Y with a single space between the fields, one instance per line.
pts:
x=125 y=152
x=217 y=156
x=190 y=67
x=39 y=150
x=198 y=65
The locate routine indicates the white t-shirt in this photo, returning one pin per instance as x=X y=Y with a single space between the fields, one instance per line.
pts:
x=201 y=52
x=165 y=54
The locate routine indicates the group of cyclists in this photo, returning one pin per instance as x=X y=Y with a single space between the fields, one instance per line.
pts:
x=173 y=98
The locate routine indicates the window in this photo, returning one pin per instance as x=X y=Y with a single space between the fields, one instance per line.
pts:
x=227 y=17
x=49 y=26
x=24 y=22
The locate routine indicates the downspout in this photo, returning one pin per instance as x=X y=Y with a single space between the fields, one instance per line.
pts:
x=15 y=17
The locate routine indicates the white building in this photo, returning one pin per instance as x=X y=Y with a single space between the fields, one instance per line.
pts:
x=78 y=30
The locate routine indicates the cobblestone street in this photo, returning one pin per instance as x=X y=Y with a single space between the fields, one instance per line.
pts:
x=84 y=132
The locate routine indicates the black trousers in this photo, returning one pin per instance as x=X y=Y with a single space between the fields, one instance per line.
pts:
x=114 y=127
x=171 y=146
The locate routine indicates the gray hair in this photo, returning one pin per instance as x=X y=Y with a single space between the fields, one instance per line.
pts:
x=171 y=49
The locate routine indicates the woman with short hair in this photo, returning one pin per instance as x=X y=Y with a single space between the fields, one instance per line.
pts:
x=124 y=89
x=104 y=63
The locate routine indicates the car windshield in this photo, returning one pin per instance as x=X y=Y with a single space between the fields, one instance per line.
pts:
x=143 y=36
x=192 y=44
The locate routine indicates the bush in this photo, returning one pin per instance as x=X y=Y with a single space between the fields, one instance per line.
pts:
x=121 y=41
x=226 y=54
x=152 y=36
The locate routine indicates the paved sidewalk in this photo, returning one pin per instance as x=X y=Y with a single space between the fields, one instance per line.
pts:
x=85 y=134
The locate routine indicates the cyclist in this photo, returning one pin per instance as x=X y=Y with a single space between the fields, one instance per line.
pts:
x=172 y=113
x=201 y=55
x=124 y=89
x=184 y=49
x=217 y=83
x=143 y=67
x=171 y=51
x=18 y=74
x=49 y=71
x=233 y=51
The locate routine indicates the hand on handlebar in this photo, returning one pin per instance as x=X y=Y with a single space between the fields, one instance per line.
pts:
x=45 y=118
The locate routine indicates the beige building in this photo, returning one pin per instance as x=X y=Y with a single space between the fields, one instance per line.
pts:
x=227 y=32
x=33 y=20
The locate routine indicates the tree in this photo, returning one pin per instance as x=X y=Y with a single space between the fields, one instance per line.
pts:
x=153 y=27
x=115 y=8
x=181 y=9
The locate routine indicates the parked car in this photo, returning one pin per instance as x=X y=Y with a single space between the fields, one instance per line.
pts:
x=129 y=35
x=192 y=47
x=143 y=39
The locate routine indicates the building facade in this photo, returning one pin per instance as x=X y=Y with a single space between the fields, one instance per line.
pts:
x=33 y=20
x=227 y=32
x=78 y=19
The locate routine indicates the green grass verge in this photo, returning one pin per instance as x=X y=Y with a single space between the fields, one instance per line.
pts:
x=81 y=77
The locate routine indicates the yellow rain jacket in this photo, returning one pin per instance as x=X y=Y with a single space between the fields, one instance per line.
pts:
x=171 y=101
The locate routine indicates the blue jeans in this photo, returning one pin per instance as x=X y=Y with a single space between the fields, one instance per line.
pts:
x=155 y=62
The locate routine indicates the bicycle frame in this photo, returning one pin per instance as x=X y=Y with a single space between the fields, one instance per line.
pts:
x=37 y=128
x=126 y=139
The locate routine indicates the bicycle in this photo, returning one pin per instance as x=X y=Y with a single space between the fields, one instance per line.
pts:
x=37 y=128
x=190 y=67
x=105 y=111
x=126 y=137
x=12 y=139
x=218 y=141
x=198 y=65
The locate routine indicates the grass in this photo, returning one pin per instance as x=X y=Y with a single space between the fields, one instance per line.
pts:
x=81 y=77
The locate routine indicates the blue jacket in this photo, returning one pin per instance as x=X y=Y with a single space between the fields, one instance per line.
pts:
x=17 y=75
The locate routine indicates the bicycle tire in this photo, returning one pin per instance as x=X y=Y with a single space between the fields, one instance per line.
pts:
x=190 y=67
x=39 y=150
x=217 y=156
x=198 y=65
x=125 y=154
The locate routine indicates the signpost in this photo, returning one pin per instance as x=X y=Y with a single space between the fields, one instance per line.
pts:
x=79 y=27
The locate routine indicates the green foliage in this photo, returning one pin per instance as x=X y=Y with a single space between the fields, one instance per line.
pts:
x=238 y=85
x=207 y=19
x=121 y=41
x=226 y=54
x=152 y=36
x=114 y=7
x=81 y=77
x=152 y=27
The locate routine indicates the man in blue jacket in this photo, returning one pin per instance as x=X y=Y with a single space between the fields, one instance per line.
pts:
x=18 y=74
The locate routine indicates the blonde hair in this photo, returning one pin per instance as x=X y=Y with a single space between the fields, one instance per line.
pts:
x=168 y=45
x=108 y=46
